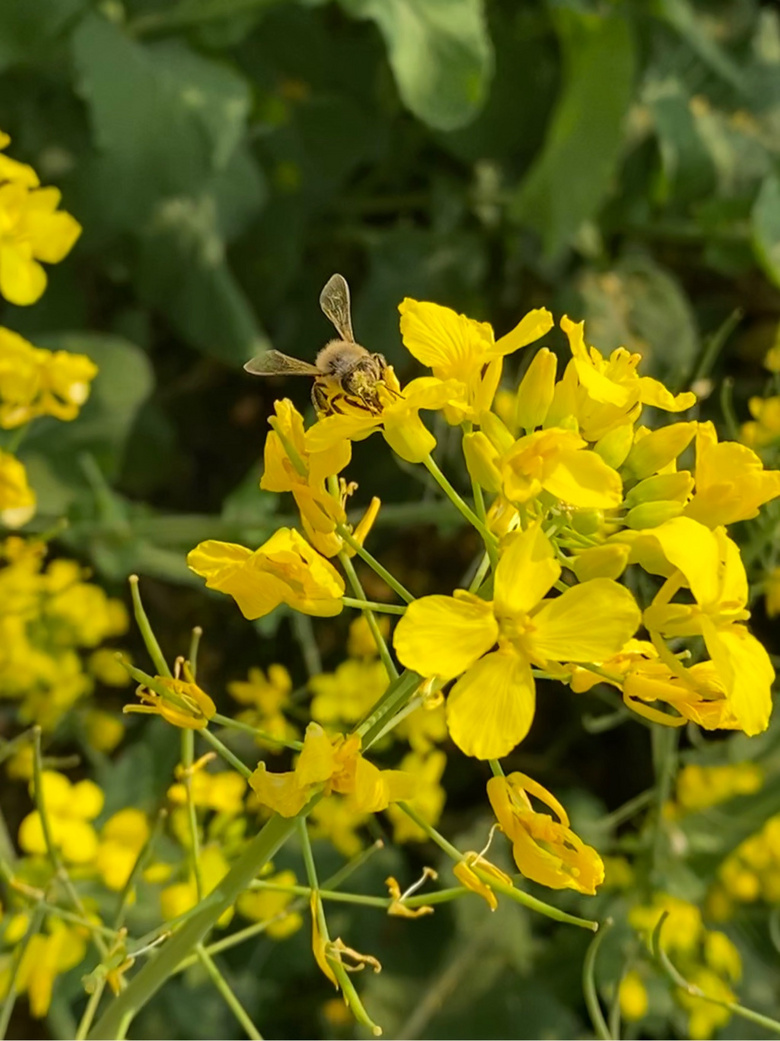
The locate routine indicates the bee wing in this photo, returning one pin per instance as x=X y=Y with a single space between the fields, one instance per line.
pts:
x=274 y=363
x=335 y=304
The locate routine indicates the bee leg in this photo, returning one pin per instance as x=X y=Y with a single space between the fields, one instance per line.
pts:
x=319 y=398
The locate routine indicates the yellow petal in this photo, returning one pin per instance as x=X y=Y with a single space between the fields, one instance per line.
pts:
x=526 y=571
x=747 y=671
x=534 y=325
x=440 y=338
x=444 y=635
x=491 y=708
x=22 y=279
x=583 y=479
x=589 y=622
x=408 y=436
x=317 y=761
x=279 y=792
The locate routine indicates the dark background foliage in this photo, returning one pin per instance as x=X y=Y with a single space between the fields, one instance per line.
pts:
x=616 y=161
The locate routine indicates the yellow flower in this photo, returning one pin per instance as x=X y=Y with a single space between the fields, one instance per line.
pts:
x=46 y=956
x=12 y=169
x=106 y=668
x=36 y=382
x=699 y=787
x=545 y=850
x=764 y=428
x=290 y=467
x=709 y=564
x=268 y=694
x=122 y=838
x=222 y=792
x=103 y=730
x=69 y=809
x=458 y=348
x=269 y=905
x=555 y=461
x=731 y=482
x=181 y=897
x=32 y=229
x=399 y=419
x=339 y=822
x=491 y=707
x=346 y=695
x=705 y=1017
x=429 y=795
x=285 y=569
x=468 y=877
x=602 y=393
x=17 y=499
x=330 y=765
x=180 y=702
x=633 y=997
x=361 y=642
x=683 y=928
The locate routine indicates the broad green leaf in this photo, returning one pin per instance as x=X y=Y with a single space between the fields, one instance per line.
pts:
x=28 y=26
x=165 y=119
x=440 y=54
x=572 y=175
x=765 y=224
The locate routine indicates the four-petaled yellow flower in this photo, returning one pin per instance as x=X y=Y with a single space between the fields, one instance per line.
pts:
x=284 y=570
x=545 y=850
x=491 y=707
x=69 y=810
x=32 y=230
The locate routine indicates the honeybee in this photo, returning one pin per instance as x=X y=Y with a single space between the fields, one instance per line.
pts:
x=343 y=370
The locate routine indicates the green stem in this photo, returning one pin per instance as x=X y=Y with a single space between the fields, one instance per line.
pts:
x=373 y=563
x=379 y=640
x=440 y=896
x=491 y=543
x=155 y=973
x=187 y=759
x=396 y=695
x=589 y=983
x=247 y=728
x=224 y=752
x=197 y=633
x=147 y=633
x=373 y=605
x=229 y=997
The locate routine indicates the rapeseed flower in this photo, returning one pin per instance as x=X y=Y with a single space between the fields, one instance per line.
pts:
x=285 y=569
x=330 y=765
x=460 y=349
x=180 y=702
x=267 y=695
x=49 y=954
x=122 y=838
x=701 y=786
x=429 y=795
x=17 y=499
x=37 y=382
x=545 y=850
x=491 y=707
x=270 y=906
x=69 y=809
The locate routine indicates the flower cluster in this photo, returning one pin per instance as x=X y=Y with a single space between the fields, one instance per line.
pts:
x=52 y=623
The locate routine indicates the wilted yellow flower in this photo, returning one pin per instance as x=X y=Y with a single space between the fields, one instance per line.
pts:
x=69 y=809
x=180 y=702
x=269 y=905
x=17 y=499
x=122 y=838
x=32 y=229
x=285 y=569
x=468 y=877
x=545 y=850
x=332 y=765
x=458 y=348
x=491 y=707
x=37 y=382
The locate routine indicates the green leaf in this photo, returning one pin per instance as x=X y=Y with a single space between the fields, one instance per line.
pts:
x=440 y=54
x=26 y=28
x=765 y=224
x=165 y=119
x=572 y=175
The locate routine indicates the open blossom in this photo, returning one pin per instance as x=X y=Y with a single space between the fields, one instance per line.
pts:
x=32 y=230
x=603 y=394
x=284 y=570
x=70 y=808
x=399 y=419
x=331 y=765
x=17 y=499
x=459 y=348
x=491 y=707
x=545 y=850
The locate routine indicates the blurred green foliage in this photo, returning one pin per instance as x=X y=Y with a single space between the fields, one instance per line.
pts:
x=619 y=161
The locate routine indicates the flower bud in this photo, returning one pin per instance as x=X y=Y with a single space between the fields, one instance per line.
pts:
x=651 y=514
x=535 y=393
x=654 y=450
x=481 y=458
